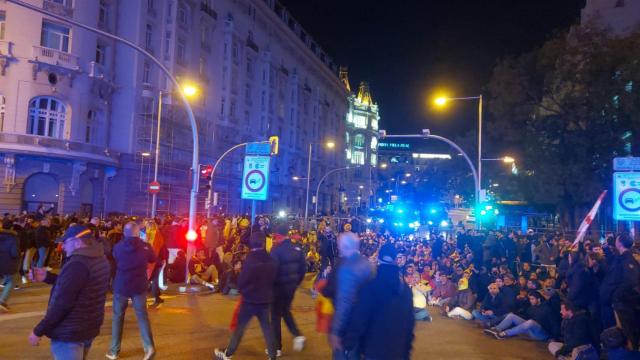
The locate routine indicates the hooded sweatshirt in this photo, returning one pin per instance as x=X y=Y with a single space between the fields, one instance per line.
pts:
x=132 y=256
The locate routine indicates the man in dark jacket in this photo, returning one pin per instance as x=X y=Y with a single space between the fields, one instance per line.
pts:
x=255 y=282
x=76 y=305
x=575 y=330
x=43 y=241
x=132 y=255
x=542 y=323
x=382 y=319
x=9 y=256
x=493 y=306
x=292 y=267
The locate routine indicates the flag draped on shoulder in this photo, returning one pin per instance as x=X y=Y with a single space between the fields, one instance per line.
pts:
x=584 y=226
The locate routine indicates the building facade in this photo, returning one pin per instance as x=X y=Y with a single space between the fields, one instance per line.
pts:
x=79 y=112
x=361 y=147
x=621 y=17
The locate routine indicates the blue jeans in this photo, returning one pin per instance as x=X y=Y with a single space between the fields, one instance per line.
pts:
x=480 y=317
x=64 y=350
x=513 y=325
x=42 y=255
x=421 y=314
x=8 y=286
x=120 y=303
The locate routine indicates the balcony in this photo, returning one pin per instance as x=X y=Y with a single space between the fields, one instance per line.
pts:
x=5 y=49
x=96 y=70
x=57 y=8
x=55 y=57
x=57 y=148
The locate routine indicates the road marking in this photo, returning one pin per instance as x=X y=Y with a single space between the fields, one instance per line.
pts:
x=6 y=317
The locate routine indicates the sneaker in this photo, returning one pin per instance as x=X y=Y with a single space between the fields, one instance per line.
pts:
x=157 y=303
x=111 y=356
x=278 y=352
x=298 y=343
x=496 y=334
x=4 y=307
x=220 y=355
x=149 y=354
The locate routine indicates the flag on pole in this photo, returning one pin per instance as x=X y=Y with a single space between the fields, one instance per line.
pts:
x=584 y=226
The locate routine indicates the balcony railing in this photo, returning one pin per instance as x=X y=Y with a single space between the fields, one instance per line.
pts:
x=57 y=8
x=96 y=70
x=55 y=57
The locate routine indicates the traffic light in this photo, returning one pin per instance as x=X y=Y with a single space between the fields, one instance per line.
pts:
x=206 y=172
x=273 y=140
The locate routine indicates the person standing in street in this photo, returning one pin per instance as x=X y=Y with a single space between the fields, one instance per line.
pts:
x=352 y=271
x=9 y=256
x=76 y=304
x=43 y=241
x=292 y=267
x=256 y=282
x=132 y=256
x=382 y=320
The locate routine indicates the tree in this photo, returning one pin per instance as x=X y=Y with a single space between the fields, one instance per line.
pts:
x=568 y=108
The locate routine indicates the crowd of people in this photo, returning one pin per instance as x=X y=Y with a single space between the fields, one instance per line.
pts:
x=582 y=299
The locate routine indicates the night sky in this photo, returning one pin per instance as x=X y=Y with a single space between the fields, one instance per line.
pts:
x=408 y=49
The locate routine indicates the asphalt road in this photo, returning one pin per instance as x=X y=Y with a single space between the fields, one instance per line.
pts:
x=191 y=326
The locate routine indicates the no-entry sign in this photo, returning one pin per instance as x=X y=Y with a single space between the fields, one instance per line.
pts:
x=154 y=187
x=255 y=179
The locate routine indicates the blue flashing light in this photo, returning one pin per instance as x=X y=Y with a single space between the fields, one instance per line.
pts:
x=433 y=211
x=381 y=221
x=430 y=222
x=496 y=211
x=400 y=211
x=483 y=212
x=444 y=223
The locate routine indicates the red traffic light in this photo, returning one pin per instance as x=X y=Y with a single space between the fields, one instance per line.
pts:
x=206 y=170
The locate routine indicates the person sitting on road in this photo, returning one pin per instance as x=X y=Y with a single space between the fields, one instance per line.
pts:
x=575 y=330
x=540 y=326
x=443 y=293
x=492 y=306
x=462 y=304
x=202 y=272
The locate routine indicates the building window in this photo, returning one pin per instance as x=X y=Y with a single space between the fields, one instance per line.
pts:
x=103 y=13
x=181 y=51
x=374 y=143
x=55 y=36
x=235 y=52
x=247 y=93
x=46 y=117
x=91 y=120
x=3 y=20
x=249 y=67
x=148 y=36
x=146 y=73
x=357 y=157
x=358 y=141
x=203 y=67
x=232 y=110
x=620 y=3
x=67 y=3
x=167 y=45
x=374 y=124
x=183 y=15
x=169 y=12
x=374 y=160
x=222 y=107
x=150 y=4
x=360 y=121
x=2 y=111
x=100 y=53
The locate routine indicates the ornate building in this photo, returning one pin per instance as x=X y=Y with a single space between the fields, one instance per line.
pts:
x=361 y=146
x=78 y=111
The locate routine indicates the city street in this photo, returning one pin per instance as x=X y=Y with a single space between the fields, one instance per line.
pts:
x=191 y=326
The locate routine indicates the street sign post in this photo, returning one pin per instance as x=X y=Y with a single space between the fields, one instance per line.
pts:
x=626 y=196
x=255 y=178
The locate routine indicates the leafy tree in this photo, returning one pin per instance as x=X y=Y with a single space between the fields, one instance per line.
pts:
x=567 y=109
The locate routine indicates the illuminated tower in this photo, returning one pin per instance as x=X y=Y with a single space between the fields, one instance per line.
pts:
x=361 y=147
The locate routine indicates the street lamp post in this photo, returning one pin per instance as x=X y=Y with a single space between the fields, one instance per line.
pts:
x=426 y=134
x=442 y=101
x=330 y=145
x=192 y=120
x=320 y=183
x=154 y=199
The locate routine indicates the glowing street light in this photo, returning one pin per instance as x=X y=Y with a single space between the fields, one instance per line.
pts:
x=508 y=160
x=441 y=101
x=189 y=90
x=330 y=144
x=383 y=166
